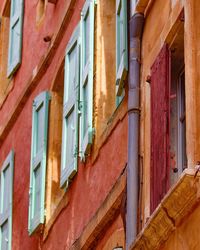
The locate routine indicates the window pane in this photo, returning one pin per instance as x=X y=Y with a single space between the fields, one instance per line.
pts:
x=87 y=36
x=6 y=189
x=85 y=107
x=4 y=235
x=39 y=128
x=70 y=138
x=72 y=71
x=37 y=189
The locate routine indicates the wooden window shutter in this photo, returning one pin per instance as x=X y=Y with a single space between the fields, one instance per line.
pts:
x=38 y=161
x=87 y=73
x=69 y=157
x=6 y=200
x=160 y=110
x=15 y=36
x=121 y=45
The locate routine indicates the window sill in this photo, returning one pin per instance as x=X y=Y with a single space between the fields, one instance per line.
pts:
x=177 y=204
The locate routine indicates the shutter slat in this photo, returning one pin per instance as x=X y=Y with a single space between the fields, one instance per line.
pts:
x=160 y=90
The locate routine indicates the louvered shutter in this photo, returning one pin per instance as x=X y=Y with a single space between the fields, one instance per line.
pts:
x=121 y=46
x=6 y=200
x=160 y=106
x=87 y=71
x=38 y=161
x=70 y=127
x=15 y=36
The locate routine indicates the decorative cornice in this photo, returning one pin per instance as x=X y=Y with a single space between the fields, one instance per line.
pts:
x=103 y=217
x=176 y=205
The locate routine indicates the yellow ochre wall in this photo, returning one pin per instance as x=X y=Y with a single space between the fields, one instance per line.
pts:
x=186 y=236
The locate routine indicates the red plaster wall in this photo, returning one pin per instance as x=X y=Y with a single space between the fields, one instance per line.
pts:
x=93 y=182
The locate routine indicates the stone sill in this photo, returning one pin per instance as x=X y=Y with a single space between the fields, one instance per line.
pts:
x=178 y=203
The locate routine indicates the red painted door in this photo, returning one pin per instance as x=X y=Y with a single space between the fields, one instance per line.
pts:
x=160 y=93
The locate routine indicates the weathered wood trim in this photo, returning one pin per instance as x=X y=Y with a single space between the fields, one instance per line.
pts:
x=176 y=205
x=109 y=209
x=38 y=72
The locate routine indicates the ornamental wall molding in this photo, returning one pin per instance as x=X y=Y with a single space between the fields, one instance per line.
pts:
x=175 y=206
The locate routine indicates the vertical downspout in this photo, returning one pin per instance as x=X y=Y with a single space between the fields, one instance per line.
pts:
x=135 y=33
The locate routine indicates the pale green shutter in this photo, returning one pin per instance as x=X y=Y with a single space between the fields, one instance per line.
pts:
x=121 y=46
x=15 y=36
x=6 y=200
x=69 y=156
x=87 y=74
x=38 y=161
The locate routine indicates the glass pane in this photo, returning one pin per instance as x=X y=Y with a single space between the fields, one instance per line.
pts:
x=85 y=107
x=70 y=138
x=37 y=189
x=4 y=236
x=72 y=71
x=183 y=121
x=6 y=189
x=39 y=128
x=87 y=36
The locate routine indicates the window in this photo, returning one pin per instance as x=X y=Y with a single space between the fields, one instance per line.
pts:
x=70 y=109
x=6 y=199
x=38 y=161
x=86 y=89
x=78 y=95
x=121 y=48
x=168 y=123
x=178 y=157
x=15 y=36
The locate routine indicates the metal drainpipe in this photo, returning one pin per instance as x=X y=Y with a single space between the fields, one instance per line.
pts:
x=135 y=33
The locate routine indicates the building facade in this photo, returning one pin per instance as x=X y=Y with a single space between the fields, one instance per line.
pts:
x=63 y=126
x=99 y=145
